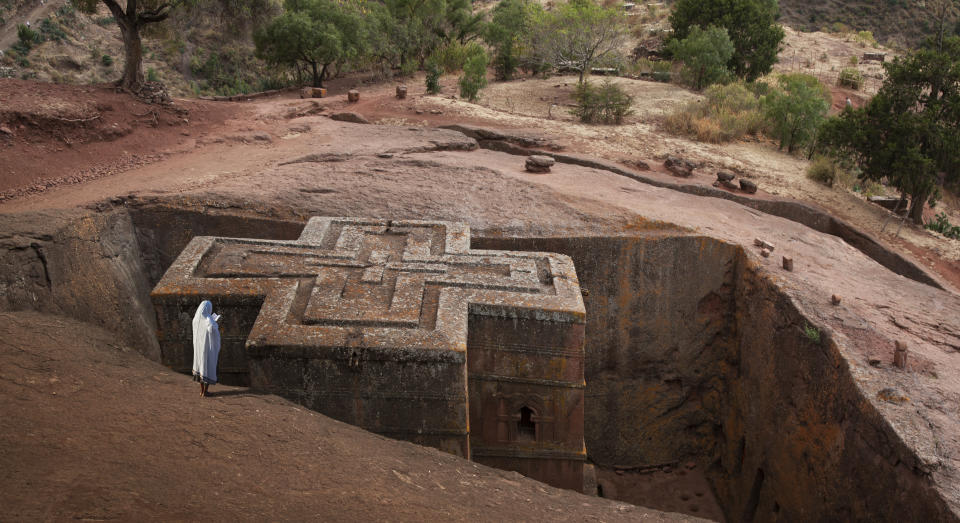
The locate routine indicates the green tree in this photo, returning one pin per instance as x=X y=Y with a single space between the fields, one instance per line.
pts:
x=405 y=32
x=578 y=33
x=132 y=18
x=474 y=77
x=509 y=20
x=909 y=133
x=796 y=111
x=316 y=33
x=705 y=54
x=750 y=24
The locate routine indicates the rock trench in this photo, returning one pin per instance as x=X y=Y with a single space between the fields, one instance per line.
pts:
x=710 y=365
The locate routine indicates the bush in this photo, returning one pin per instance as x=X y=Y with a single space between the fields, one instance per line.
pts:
x=851 y=78
x=942 y=225
x=704 y=54
x=152 y=75
x=51 y=30
x=866 y=38
x=823 y=170
x=455 y=56
x=105 y=21
x=727 y=113
x=27 y=37
x=605 y=104
x=433 y=77
x=106 y=60
x=474 y=76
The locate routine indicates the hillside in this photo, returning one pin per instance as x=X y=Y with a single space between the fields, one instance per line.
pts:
x=201 y=50
x=893 y=22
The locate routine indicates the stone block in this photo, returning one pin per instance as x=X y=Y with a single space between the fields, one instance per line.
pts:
x=353 y=96
x=313 y=92
x=401 y=91
x=400 y=328
x=747 y=186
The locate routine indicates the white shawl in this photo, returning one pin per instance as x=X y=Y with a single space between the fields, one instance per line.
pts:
x=206 y=343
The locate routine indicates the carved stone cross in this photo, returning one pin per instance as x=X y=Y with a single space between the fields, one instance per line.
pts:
x=392 y=326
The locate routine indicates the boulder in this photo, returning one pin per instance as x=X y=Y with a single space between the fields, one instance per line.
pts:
x=747 y=186
x=401 y=91
x=725 y=176
x=539 y=163
x=353 y=96
x=679 y=166
x=349 y=117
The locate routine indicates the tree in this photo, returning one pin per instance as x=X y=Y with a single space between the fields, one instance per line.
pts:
x=474 y=77
x=578 y=33
x=909 y=133
x=509 y=20
x=705 y=54
x=404 y=33
x=132 y=19
x=750 y=24
x=314 y=32
x=796 y=110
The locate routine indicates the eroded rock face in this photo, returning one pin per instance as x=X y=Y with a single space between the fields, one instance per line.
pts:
x=391 y=326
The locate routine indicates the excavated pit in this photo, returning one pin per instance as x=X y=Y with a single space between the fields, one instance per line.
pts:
x=698 y=368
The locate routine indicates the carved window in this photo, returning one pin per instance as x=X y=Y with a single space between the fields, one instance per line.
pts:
x=526 y=427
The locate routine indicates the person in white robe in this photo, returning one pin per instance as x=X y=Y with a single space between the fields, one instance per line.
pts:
x=206 y=346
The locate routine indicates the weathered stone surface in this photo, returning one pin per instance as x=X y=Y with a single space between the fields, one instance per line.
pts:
x=747 y=186
x=401 y=91
x=679 y=166
x=349 y=117
x=539 y=163
x=353 y=96
x=392 y=326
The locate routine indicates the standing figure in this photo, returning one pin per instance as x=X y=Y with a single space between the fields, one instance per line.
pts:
x=206 y=346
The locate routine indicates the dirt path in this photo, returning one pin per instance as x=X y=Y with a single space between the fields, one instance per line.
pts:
x=97 y=432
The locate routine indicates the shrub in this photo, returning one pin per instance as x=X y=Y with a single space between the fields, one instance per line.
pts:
x=27 y=37
x=455 y=56
x=823 y=170
x=608 y=103
x=105 y=21
x=851 y=78
x=152 y=75
x=474 y=76
x=812 y=333
x=728 y=112
x=866 y=38
x=106 y=60
x=704 y=54
x=942 y=225
x=854 y=60
x=51 y=30
x=433 y=77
